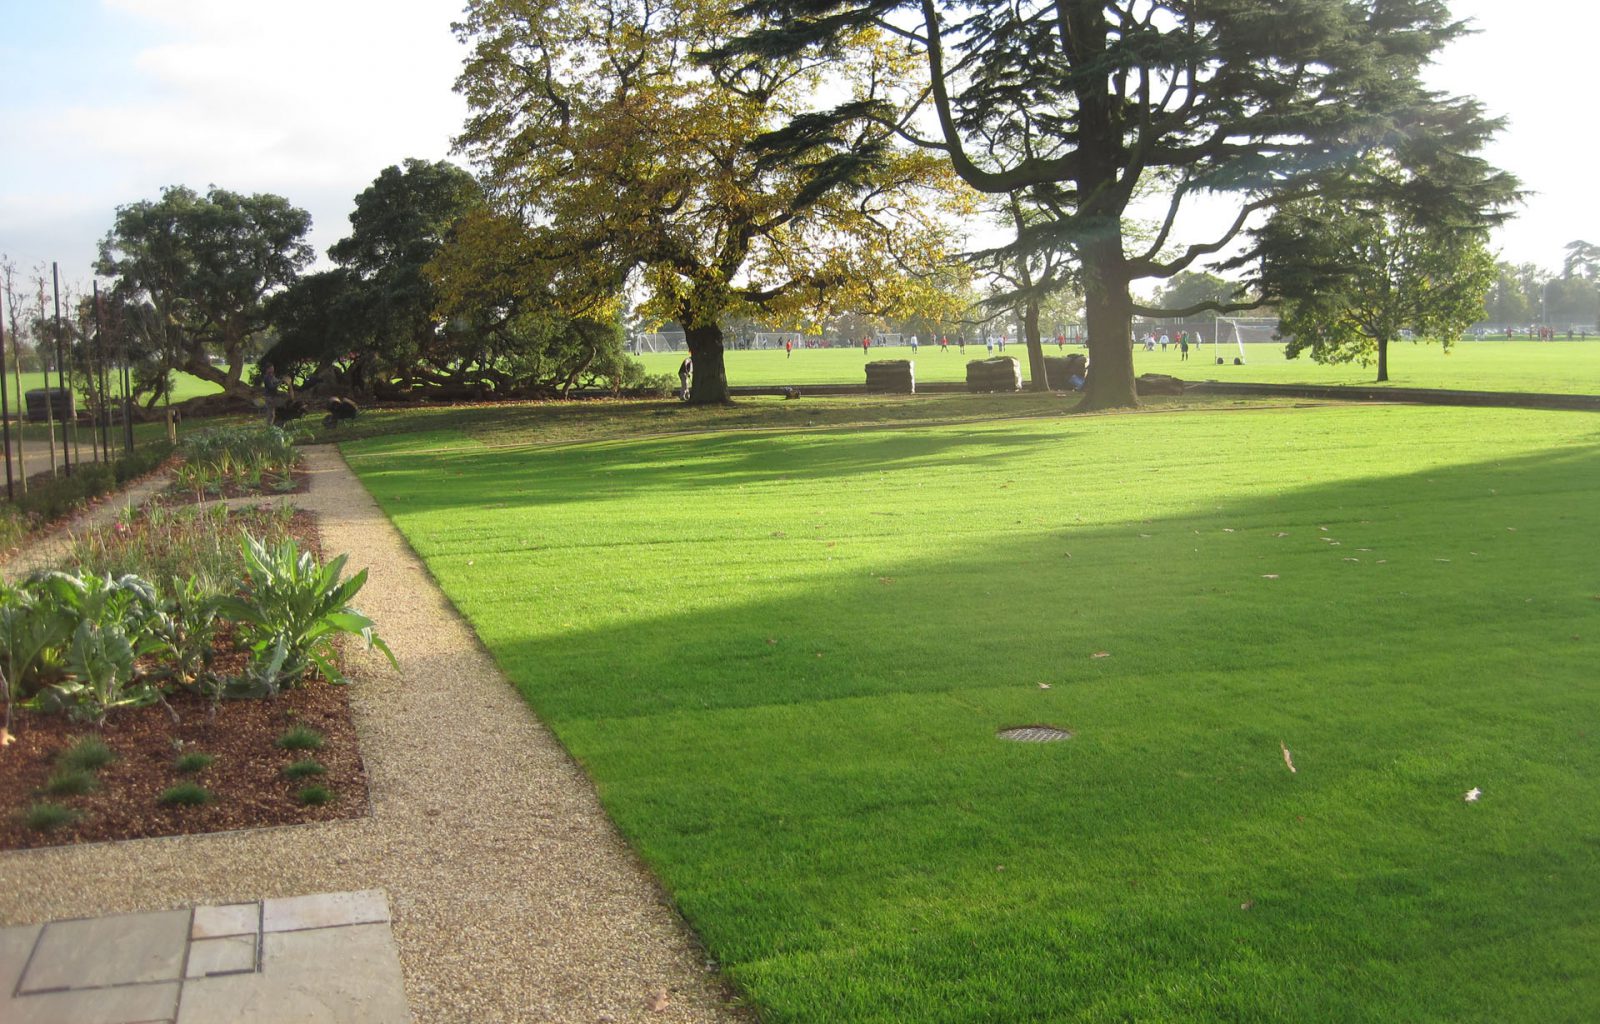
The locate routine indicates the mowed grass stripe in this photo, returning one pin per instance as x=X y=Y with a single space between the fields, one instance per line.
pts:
x=783 y=659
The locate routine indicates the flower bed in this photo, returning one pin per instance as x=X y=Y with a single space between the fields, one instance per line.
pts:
x=167 y=624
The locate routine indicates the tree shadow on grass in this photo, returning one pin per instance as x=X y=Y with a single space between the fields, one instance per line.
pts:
x=465 y=479
x=811 y=765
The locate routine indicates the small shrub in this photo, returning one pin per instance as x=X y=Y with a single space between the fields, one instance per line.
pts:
x=45 y=817
x=304 y=769
x=70 y=782
x=301 y=738
x=293 y=610
x=88 y=754
x=189 y=764
x=185 y=794
x=314 y=795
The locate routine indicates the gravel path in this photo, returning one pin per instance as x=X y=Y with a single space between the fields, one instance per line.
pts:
x=514 y=898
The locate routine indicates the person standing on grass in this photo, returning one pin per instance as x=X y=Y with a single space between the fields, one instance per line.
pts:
x=1183 y=348
x=913 y=344
x=944 y=343
x=961 y=343
x=866 y=343
x=788 y=348
x=685 y=370
x=269 y=391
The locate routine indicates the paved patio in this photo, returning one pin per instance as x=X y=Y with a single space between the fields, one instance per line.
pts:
x=322 y=959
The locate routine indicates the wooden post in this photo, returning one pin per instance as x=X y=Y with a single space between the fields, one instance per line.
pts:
x=5 y=413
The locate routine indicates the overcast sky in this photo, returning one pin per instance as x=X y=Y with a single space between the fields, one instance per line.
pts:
x=107 y=101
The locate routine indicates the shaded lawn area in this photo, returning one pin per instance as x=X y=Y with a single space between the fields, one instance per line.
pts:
x=1560 y=367
x=783 y=658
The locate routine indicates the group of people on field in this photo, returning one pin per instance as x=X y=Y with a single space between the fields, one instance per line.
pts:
x=1184 y=341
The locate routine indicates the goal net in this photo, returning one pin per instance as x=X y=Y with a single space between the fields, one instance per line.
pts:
x=888 y=340
x=776 y=339
x=1235 y=333
x=663 y=341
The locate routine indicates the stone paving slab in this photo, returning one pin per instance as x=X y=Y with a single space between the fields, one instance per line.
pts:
x=328 y=958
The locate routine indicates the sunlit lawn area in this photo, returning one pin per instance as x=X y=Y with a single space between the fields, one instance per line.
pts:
x=183 y=386
x=783 y=655
x=1561 y=366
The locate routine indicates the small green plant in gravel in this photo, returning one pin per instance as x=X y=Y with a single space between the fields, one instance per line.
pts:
x=192 y=764
x=46 y=817
x=315 y=795
x=88 y=754
x=71 y=782
x=301 y=738
x=304 y=769
x=185 y=794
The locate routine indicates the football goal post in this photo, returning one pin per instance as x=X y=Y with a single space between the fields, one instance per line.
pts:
x=662 y=341
x=1236 y=332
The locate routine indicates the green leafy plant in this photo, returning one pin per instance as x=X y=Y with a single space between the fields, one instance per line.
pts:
x=294 y=609
x=190 y=764
x=110 y=630
x=315 y=795
x=88 y=754
x=304 y=769
x=46 y=817
x=185 y=794
x=71 y=782
x=301 y=738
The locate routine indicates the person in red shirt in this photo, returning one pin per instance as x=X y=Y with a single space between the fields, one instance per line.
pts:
x=788 y=348
x=866 y=343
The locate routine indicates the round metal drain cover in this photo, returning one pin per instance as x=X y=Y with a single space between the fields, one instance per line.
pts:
x=1034 y=734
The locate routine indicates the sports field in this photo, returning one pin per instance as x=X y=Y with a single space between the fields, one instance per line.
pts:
x=1565 y=367
x=784 y=655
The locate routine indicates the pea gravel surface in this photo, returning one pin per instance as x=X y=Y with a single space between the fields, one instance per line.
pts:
x=513 y=896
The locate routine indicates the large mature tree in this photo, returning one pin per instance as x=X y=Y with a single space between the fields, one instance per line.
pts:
x=200 y=267
x=375 y=317
x=604 y=128
x=1357 y=268
x=1096 y=103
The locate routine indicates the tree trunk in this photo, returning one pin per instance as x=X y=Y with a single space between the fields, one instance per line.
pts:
x=710 y=383
x=1383 y=360
x=1108 y=310
x=1038 y=376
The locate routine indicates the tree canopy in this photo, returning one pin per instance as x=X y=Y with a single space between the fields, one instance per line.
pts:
x=1086 y=105
x=1359 y=270
x=606 y=130
x=198 y=268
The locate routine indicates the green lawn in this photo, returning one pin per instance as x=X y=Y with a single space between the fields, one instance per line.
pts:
x=783 y=656
x=183 y=386
x=1562 y=366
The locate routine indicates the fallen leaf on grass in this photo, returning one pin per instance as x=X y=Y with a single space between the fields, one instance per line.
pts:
x=1441 y=559
x=1227 y=529
x=1472 y=795
x=1269 y=575
x=779 y=534
x=1287 y=759
x=1280 y=534
x=1044 y=686
x=1144 y=535
x=886 y=580
x=1352 y=559
x=1324 y=529
x=1247 y=904
x=1101 y=654
x=659 y=1001
x=772 y=640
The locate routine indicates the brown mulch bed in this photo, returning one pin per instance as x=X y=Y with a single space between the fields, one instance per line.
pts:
x=246 y=778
